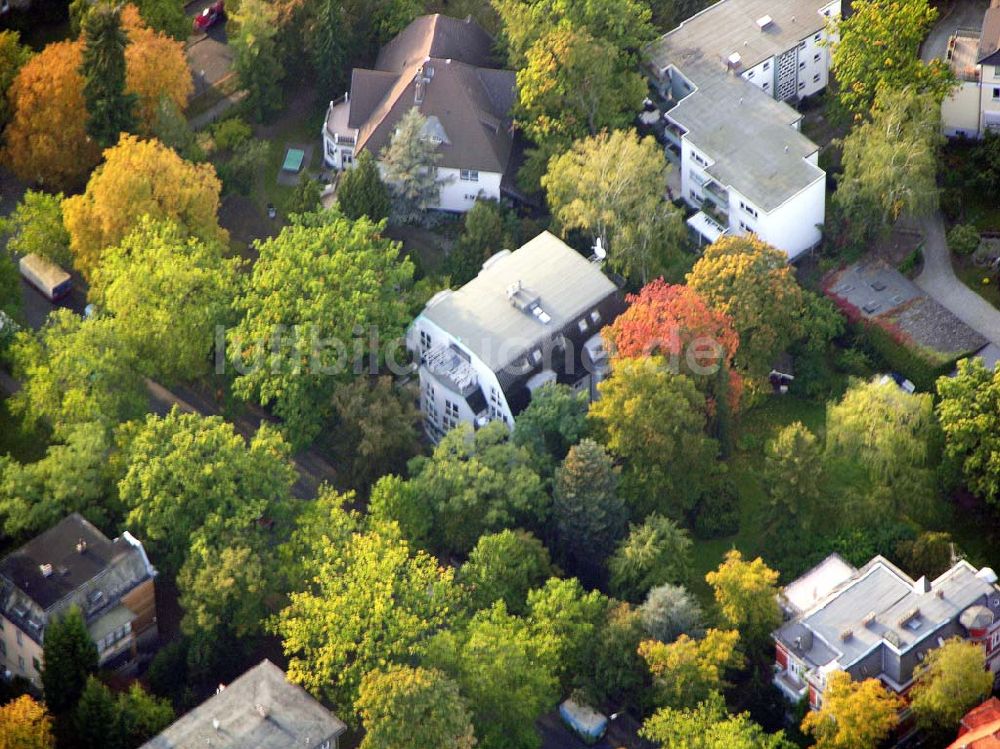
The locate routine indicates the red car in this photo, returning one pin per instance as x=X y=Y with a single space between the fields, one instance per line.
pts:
x=210 y=16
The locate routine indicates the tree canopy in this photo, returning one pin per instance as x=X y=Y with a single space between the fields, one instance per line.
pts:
x=504 y=566
x=610 y=186
x=969 y=413
x=688 y=671
x=951 y=680
x=36 y=227
x=655 y=552
x=13 y=55
x=25 y=724
x=255 y=56
x=854 y=714
x=709 y=726
x=409 y=166
x=361 y=191
x=70 y=656
x=110 y=111
x=747 y=596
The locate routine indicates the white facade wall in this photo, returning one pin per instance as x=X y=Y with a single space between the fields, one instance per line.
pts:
x=459 y=195
x=694 y=162
x=795 y=226
x=960 y=111
x=761 y=75
x=813 y=64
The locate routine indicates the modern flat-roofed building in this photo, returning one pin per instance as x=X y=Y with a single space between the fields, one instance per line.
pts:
x=531 y=316
x=259 y=710
x=72 y=564
x=877 y=622
x=723 y=77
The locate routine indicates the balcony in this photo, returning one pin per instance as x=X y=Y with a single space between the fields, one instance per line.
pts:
x=963 y=54
x=790 y=685
x=450 y=365
x=718 y=195
x=673 y=133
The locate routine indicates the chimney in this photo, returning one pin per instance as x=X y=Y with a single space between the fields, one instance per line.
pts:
x=261 y=710
x=81 y=546
x=922 y=585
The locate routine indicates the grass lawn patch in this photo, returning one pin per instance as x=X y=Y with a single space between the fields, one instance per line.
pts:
x=973 y=277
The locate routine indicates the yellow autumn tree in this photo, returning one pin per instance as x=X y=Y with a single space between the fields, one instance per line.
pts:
x=24 y=724
x=156 y=68
x=46 y=143
x=855 y=714
x=140 y=178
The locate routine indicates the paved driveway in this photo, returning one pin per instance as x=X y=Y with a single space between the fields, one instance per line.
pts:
x=938 y=279
x=209 y=55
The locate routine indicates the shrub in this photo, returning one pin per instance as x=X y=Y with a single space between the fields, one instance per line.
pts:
x=231 y=133
x=963 y=239
x=717 y=513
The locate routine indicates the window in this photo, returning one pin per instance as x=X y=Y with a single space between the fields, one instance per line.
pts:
x=996 y=71
x=595 y=317
x=802 y=85
x=816 y=57
x=20 y=662
x=331 y=150
x=767 y=66
x=995 y=640
x=817 y=37
x=766 y=86
x=750 y=75
x=696 y=198
x=749 y=209
x=425 y=340
x=996 y=93
x=816 y=78
x=347 y=158
x=802 y=45
x=469 y=175
x=582 y=325
x=3 y=647
x=450 y=414
x=1 y=624
x=36 y=665
x=17 y=635
x=698 y=159
x=802 y=64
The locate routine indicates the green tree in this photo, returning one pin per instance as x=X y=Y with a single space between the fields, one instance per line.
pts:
x=931 y=553
x=504 y=566
x=76 y=371
x=486 y=229
x=709 y=726
x=361 y=191
x=168 y=293
x=141 y=716
x=167 y=16
x=963 y=239
x=890 y=162
x=655 y=421
x=688 y=671
x=879 y=48
x=95 y=719
x=255 y=56
x=375 y=429
x=854 y=715
x=573 y=84
x=314 y=286
x=969 y=412
x=73 y=476
x=183 y=470
x=671 y=611
x=952 y=679
x=13 y=55
x=500 y=664
x=110 y=110
x=568 y=618
x=554 y=421
x=654 y=553
x=10 y=292
x=369 y=603
x=36 y=227
x=753 y=284
x=306 y=196
x=474 y=483
x=610 y=186
x=413 y=708
x=889 y=435
x=69 y=657
x=793 y=471
x=616 y=672
x=747 y=596
x=588 y=515
x=409 y=166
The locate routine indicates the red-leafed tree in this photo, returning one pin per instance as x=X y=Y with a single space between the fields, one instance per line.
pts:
x=675 y=322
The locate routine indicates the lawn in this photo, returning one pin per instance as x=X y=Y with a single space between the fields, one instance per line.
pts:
x=758 y=426
x=973 y=277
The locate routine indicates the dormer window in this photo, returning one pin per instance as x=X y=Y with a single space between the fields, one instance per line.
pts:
x=583 y=325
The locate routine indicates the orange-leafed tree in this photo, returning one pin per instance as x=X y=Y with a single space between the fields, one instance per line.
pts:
x=675 y=322
x=46 y=142
x=137 y=178
x=156 y=69
x=25 y=724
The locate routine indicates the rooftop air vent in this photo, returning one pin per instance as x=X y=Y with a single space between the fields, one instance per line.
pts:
x=81 y=546
x=734 y=61
x=846 y=635
x=763 y=22
x=869 y=619
x=46 y=570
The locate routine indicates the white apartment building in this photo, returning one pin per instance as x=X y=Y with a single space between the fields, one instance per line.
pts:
x=724 y=76
x=974 y=57
x=531 y=317
x=444 y=67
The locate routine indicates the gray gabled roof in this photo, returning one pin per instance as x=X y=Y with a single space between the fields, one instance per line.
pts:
x=259 y=710
x=482 y=317
x=463 y=91
x=989 y=37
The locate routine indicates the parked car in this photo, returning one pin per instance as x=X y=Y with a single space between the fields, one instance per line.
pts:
x=210 y=16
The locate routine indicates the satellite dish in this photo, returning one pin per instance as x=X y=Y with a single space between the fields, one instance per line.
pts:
x=599 y=252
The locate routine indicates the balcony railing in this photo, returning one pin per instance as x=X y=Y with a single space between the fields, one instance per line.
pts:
x=718 y=195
